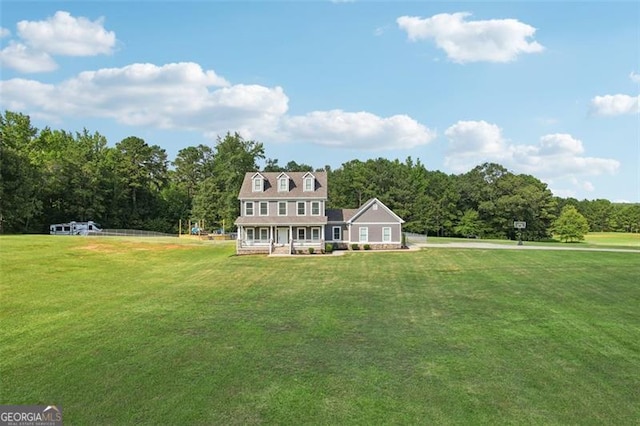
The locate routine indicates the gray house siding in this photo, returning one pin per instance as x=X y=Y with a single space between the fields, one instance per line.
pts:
x=376 y=213
x=375 y=232
x=297 y=229
x=313 y=208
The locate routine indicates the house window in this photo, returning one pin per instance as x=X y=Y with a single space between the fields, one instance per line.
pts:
x=250 y=234
x=386 y=235
x=308 y=183
x=364 y=234
x=257 y=184
x=302 y=235
x=315 y=208
x=302 y=210
x=264 y=234
x=264 y=208
x=283 y=184
x=248 y=208
x=282 y=208
x=337 y=234
x=315 y=234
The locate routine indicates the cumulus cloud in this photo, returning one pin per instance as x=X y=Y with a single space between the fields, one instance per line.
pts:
x=610 y=105
x=61 y=34
x=360 y=130
x=495 y=40
x=558 y=155
x=184 y=96
x=22 y=58
x=179 y=95
x=635 y=77
x=4 y=32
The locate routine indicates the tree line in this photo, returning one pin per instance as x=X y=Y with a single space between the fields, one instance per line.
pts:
x=53 y=176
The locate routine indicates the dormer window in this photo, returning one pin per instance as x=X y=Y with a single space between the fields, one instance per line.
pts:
x=309 y=182
x=257 y=183
x=283 y=182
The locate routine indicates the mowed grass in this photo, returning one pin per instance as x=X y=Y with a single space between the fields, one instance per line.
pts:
x=617 y=240
x=613 y=239
x=124 y=331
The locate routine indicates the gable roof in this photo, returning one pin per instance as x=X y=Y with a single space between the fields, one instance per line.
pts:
x=296 y=186
x=368 y=204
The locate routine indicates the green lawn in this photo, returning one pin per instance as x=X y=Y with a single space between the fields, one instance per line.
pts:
x=613 y=239
x=619 y=240
x=124 y=331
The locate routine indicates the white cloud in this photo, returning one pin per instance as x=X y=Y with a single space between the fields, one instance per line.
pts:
x=635 y=77
x=495 y=40
x=588 y=186
x=22 y=58
x=478 y=137
x=615 y=105
x=359 y=130
x=63 y=34
x=179 y=95
x=184 y=96
x=558 y=155
x=4 y=32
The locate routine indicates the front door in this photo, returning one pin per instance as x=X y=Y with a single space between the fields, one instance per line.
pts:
x=283 y=235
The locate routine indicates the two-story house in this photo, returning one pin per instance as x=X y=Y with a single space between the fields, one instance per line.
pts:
x=286 y=212
x=279 y=209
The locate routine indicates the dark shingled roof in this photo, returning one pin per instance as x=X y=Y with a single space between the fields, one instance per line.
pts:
x=295 y=186
x=340 y=215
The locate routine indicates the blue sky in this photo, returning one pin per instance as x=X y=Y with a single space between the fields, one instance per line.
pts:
x=549 y=89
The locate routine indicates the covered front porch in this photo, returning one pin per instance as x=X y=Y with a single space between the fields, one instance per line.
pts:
x=284 y=239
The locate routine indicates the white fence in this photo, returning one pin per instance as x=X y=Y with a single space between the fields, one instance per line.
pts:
x=130 y=233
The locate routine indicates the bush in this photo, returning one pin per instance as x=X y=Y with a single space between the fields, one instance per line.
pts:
x=328 y=248
x=404 y=239
x=311 y=250
x=367 y=247
x=355 y=246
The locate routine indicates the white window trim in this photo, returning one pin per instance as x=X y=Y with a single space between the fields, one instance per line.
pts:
x=286 y=208
x=260 y=208
x=257 y=188
x=260 y=234
x=311 y=186
x=286 y=184
x=333 y=233
x=315 y=228
x=366 y=234
x=304 y=203
x=304 y=233
x=387 y=240
x=246 y=208
x=319 y=208
x=253 y=234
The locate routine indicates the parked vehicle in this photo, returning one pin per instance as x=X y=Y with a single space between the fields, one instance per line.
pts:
x=74 y=228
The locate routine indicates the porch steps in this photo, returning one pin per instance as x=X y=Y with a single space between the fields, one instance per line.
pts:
x=280 y=250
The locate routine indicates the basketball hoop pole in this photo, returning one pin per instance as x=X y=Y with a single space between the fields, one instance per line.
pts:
x=519 y=225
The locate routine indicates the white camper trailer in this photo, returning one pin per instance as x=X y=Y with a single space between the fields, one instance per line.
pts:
x=74 y=228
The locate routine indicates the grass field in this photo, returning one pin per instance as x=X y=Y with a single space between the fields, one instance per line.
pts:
x=620 y=240
x=123 y=331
